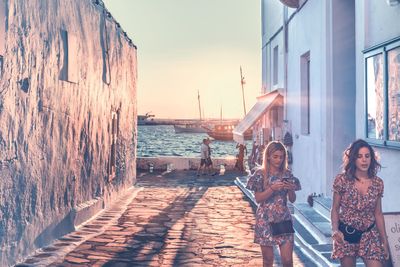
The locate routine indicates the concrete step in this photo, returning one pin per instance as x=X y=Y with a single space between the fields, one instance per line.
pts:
x=323 y=205
x=310 y=245
x=317 y=224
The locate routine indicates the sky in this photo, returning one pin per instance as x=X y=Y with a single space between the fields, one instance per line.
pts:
x=191 y=46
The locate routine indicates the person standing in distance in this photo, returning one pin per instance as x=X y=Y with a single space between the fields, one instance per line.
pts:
x=204 y=155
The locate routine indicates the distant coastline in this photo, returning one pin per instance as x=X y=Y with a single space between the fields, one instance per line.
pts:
x=160 y=121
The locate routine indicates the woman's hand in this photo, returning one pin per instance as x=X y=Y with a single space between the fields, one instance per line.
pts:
x=278 y=186
x=289 y=186
x=386 y=250
x=338 y=236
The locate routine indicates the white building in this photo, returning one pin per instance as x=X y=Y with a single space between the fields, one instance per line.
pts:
x=333 y=62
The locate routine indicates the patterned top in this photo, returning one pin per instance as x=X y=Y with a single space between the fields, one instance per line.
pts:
x=358 y=210
x=273 y=209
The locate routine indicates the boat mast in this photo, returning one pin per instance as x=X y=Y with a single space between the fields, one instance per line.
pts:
x=220 y=114
x=242 y=82
x=198 y=97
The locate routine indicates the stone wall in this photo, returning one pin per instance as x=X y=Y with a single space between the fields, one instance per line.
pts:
x=67 y=119
x=181 y=163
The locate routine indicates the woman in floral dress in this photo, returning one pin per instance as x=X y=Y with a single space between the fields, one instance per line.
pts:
x=272 y=185
x=357 y=194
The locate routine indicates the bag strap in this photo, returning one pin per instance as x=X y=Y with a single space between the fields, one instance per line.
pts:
x=370 y=227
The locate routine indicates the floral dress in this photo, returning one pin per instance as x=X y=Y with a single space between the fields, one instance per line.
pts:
x=358 y=210
x=273 y=209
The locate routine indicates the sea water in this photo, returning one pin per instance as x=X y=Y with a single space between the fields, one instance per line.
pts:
x=161 y=140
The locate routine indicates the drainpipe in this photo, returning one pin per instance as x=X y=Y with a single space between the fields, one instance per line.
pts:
x=285 y=58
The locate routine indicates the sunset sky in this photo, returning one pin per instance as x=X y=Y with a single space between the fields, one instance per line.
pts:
x=190 y=45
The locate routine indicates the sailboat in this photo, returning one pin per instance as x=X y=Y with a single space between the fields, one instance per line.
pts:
x=191 y=127
x=224 y=131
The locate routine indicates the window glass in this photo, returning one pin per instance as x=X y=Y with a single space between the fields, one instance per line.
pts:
x=394 y=94
x=375 y=97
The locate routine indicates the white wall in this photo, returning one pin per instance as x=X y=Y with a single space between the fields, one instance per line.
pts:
x=306 y=33
x=272 y=14
x=376 y=22
x=325 y=29
x=341 y=92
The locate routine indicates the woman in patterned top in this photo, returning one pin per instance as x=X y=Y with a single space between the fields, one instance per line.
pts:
x=357 y=194
x=273 y=184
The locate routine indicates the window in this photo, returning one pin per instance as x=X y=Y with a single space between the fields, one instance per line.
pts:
x=394 y=94
x=382 y=80
x=70 y=68
x=276 y=65
x=305 y=93
x=375 y=96
x=113 y=150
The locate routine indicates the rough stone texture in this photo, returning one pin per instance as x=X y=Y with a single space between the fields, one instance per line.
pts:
x=176 y=220
x=67 y=67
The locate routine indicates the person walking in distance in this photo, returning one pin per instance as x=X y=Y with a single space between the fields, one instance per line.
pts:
x=358 y=226
x=240 y=157
x=273 y=184
x=204 y=155
x=209 y=163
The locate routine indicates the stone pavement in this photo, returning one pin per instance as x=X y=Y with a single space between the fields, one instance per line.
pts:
x=178 y=219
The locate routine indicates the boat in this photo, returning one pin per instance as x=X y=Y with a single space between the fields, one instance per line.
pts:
x=194 y=126
x=145 y=119
x=223 y=132
x=189 y=128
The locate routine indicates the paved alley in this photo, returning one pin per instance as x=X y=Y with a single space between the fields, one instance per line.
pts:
x=177 y=219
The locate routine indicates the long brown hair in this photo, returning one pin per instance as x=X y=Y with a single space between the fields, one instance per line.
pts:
x=350 y=156
x=271 y=148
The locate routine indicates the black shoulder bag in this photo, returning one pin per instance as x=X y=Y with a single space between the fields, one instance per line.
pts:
x=351 y=234
x=281 y=228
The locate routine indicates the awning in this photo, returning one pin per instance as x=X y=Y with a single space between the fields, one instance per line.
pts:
x=264 y=102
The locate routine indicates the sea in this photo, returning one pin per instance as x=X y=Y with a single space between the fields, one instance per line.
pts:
x=161 y=140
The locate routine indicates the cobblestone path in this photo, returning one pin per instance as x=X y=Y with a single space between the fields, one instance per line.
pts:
x=177 y=220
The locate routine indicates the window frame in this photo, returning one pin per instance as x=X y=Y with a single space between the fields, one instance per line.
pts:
x=275 y=74
x=373 y=51
x=305 y=94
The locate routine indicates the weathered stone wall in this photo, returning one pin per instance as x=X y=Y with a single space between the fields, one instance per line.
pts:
x=67 y=67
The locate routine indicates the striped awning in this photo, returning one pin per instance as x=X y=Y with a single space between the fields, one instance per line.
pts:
x=264 y=102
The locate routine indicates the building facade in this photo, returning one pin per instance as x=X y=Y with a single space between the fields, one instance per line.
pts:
x=67 y=119
x=320 y=56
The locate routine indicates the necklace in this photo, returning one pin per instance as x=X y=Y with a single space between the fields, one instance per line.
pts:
x=363 y=180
